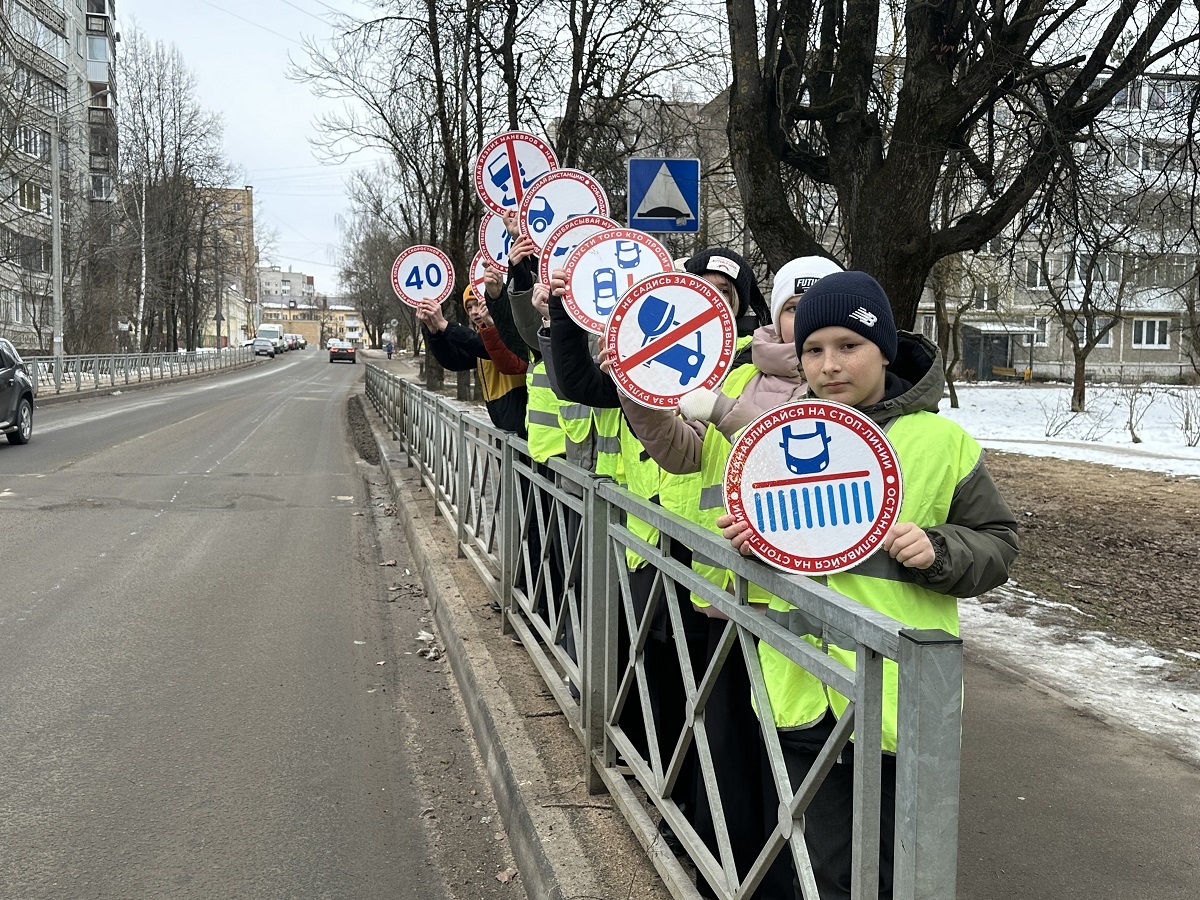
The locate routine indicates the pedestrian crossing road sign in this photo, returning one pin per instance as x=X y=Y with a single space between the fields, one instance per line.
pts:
x=664 y=195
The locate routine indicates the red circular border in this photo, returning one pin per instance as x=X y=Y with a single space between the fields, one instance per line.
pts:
x=587 y=180
x=508 y=136
x=483 y=223
x=635 y=293
x=404 y=254
x=839 y=414
x=612 y=234
x=544 y=261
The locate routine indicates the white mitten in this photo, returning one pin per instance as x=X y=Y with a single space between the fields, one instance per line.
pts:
x=698 y=405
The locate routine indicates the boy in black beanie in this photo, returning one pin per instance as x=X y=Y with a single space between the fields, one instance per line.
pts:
x=954 y=537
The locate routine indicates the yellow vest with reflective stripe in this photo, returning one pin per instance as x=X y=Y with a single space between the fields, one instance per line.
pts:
x=798 y=698
x=607 y=424
x=643 y=477
x=546 y=437
x=575 y=419
x=935 y=455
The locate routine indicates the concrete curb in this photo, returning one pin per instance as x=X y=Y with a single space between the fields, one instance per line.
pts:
x=542 y=839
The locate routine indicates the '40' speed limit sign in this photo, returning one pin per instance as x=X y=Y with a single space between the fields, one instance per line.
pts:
x=422 y=273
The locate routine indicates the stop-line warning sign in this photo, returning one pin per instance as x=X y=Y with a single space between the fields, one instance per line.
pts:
x=819 y=485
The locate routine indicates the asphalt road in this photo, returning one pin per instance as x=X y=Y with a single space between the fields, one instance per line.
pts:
x=190 y=622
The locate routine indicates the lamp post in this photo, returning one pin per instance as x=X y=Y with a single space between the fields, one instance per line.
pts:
x=56 y=273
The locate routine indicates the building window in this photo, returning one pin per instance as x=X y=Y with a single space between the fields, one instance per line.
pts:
x=102 y=187
x=97 y=49
x=1036 y=274
x=987 y=297
x=1039 y=325
x=33 y=142
x=1099 y=324
x=1151 y=334
x=1128 y=97
x=29 y=196
x=929 y=327
x=1106 y=267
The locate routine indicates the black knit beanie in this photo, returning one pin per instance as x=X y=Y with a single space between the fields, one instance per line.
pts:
x=852 y=300
x=731 y=264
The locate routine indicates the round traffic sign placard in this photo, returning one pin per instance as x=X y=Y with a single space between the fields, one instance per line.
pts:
x=478 y=272
x=422 y=273
x=507 y=166
x=494 y=240
x=556 y=197
x=818 y=483
x=603 y=267
x=565 y=238
x=670 y=334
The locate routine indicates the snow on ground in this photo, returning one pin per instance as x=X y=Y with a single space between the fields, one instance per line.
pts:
x=1121 y=679
x=1036 y=420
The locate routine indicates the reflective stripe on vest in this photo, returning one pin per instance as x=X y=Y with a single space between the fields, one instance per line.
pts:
x=576 y=420
x=643 y=477
x=608 y=443
x=546 y=437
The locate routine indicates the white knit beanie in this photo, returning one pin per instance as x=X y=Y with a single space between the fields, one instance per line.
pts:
x=797 y=276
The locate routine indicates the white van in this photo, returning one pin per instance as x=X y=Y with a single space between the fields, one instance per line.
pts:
x=274 y=331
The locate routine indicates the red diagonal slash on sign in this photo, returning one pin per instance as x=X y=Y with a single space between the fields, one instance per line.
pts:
x=657 y=346
x=518 y=188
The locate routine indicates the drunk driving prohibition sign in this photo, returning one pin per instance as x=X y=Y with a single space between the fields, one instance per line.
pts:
x=670 y=334
x=819 y=485
x=422 y=273
x=507 y=166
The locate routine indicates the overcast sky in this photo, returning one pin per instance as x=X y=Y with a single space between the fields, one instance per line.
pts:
x=238 y=51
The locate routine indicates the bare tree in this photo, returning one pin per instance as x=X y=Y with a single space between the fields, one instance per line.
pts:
x=172 y=157
x=878 y=104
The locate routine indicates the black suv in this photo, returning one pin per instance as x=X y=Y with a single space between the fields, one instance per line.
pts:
x=16 y=396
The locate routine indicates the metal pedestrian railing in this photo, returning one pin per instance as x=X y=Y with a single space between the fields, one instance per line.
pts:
x=551 y=543
x=93 y=372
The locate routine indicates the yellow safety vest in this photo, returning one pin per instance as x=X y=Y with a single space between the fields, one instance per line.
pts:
x=546 y=437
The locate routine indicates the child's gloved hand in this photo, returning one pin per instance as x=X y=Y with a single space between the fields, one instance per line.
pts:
x=698 y=405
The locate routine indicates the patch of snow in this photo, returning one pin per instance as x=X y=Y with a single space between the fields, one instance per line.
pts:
x=1117 y=678
x=1015 y=419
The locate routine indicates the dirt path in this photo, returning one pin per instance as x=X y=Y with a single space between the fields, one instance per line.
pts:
x=1121 y=545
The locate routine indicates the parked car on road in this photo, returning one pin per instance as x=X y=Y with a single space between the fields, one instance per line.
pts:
x=339 y=349
x=264 y=347
x=16 y=395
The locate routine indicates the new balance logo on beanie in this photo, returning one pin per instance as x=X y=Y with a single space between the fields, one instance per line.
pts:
x=851 y=300
x=868 y=319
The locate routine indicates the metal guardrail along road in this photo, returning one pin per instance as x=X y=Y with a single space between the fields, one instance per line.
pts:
x=93 y=372
x=551 y=542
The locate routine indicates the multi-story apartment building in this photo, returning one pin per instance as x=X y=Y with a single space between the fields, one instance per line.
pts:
x=1118 y=272
x=274 y=282
x=57 y=98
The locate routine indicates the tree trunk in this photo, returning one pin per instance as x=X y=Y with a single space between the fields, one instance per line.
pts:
x=1079 y=385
